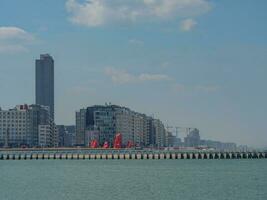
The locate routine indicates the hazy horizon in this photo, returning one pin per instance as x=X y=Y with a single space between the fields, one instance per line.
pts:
x=188 y=63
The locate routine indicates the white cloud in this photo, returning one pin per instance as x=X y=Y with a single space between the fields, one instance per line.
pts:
x=121 y=77
x=153 y=77
x=187 y=24
x=14 y=39
x=100 y=12
x=10 y=33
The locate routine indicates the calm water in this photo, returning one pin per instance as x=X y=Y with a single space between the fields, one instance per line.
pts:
x=115 y=179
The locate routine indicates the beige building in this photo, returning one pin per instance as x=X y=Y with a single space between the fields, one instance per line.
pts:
x=20 y=126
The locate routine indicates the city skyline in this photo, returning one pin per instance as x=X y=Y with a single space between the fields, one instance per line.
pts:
x=176 y=66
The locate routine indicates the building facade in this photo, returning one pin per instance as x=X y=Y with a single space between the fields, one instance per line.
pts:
x=44 y=82
x=103 y=120
x=45 y=135
x=124 y=122
x=160 y=133
x=193 y=138
x=80 y=119
x=20 y=126
x=66 y=135
x=108 y=120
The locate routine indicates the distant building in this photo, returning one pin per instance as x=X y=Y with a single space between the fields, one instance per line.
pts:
x=70 y=139
x=124 y=124
x=91 y=135
x=45 y=135
x=21 y=126
x=159 y=133
x=66 y=135
x=102 y=119
x=217 y=145
x=61 y=135
x=80 y=127
x=108 y=120
x=193 y=138
x=44 y=82
x=139 y=129
x=171 y=140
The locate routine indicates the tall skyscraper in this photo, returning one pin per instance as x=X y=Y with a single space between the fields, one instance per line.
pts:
x=44 y=82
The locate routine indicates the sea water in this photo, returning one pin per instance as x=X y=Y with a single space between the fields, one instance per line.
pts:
x=133 y=179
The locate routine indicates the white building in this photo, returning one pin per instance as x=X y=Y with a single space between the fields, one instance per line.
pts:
x=160 y=133
x=124 y=121
x=20 y=126
x=45 y=135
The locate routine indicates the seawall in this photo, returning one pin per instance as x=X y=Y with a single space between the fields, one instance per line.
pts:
x=109 y=154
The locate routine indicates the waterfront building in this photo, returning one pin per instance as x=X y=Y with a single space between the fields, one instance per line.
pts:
x=61 y=135
x=146 y=133
x=159 y=132
x=124 y=121
x=70 y=138
x=91 y=135
x=45 y=135
x=108 y=120
x=102 y=119
x=44 y=82
x=55 y=136
x=193 y=138
x=137 y=127
x=66 y=135
x=170 y=139
x=20 y=126
x=220 y=146
x=151 y=132
x=80 y=127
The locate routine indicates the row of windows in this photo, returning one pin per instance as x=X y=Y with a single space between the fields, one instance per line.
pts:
x=13 y=132
x=12 y=113
x=12 y=121
x=12 y=129
x=14 y=137
x=12 y=125
x=12 y=116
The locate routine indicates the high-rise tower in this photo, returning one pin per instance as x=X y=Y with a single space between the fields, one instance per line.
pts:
x=44 y=82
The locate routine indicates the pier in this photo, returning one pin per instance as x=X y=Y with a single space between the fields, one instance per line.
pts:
x=122 y=154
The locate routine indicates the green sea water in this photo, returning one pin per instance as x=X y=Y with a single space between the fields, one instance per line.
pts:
x=133 y=180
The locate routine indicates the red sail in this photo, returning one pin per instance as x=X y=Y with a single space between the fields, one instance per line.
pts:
x=106 y=145
x=118 y=141
x=130 y=144
x=94 y=144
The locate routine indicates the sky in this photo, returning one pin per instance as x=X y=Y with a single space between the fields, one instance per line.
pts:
x=190 y=63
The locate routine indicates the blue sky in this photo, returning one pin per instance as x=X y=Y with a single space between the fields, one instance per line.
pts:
x=196 y=63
